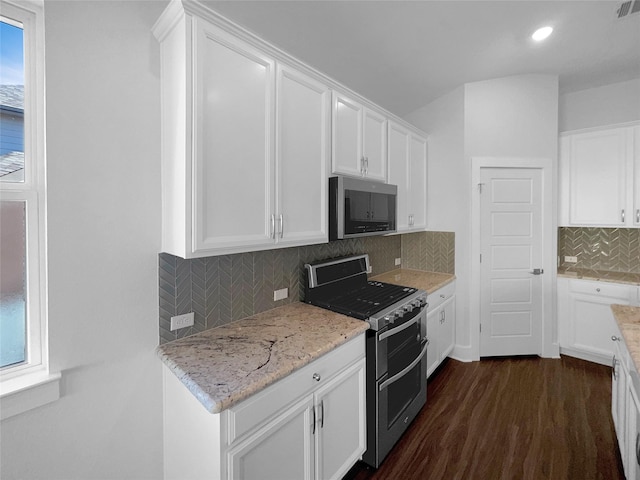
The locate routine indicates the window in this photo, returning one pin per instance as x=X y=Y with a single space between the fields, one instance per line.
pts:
x=23 y=346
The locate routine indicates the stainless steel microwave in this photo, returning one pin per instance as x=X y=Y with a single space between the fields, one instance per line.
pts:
x=360 y=208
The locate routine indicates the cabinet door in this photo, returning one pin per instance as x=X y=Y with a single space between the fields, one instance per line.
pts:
x=283 y=449
x=619 y=397
x=433 y=334
x=598 y=164
x=340 y=423
x=636 y=178
x=375 y=145
x=633 y=439
x=418 y=182
x=346 y=137
x=233 y=177
x=447 y=327
x=302 y=151
x=399 y=171
x=593 y=324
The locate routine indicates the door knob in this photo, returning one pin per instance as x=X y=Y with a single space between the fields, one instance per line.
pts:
x=537 y=271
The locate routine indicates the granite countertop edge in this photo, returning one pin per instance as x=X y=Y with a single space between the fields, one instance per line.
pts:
x=421 y=279
x=628 y=320
x=601 y=276
x=224 y=365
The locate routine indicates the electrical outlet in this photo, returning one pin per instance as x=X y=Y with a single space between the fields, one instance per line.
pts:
x=181 y=321
x=398 y=261
x=280 y=294
x=570 y=259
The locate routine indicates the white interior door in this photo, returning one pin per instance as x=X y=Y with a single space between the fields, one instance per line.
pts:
x=511 y=299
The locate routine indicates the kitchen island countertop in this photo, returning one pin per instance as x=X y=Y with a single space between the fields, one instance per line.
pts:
x=423 y=280
x=628 y=319
x=224 y=365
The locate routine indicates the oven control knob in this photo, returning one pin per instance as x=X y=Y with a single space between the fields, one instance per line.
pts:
x=407 y=308
x=399 y=313
x=389 y=319
x=417 y=303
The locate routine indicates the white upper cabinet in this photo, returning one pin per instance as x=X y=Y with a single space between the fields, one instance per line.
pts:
x=302 y=153
x=599 y=178
x=233 y=155
x=247 y=135
x=408 y=170
x=359 y=140
x=418 y=181
x=245 y=144
x=636 y=177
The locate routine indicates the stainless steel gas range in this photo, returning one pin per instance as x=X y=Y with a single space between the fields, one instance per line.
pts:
x=396 y=344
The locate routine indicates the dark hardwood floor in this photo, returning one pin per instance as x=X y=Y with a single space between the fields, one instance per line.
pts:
x=509 y=418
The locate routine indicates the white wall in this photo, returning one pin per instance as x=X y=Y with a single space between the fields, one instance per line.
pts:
x=103 y=152
x=448 y=194
x=512 y=116
x=606 y=105
x=505 y=117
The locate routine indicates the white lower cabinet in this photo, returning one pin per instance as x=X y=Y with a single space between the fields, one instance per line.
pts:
x=441 y=320
x=625 y=408
x=619 y=398
x=309 y=425
x=633 y=446
x=585 y=321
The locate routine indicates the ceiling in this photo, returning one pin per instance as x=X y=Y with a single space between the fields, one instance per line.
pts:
x=404 y=54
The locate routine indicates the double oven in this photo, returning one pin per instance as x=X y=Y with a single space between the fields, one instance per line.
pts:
x=396 y=344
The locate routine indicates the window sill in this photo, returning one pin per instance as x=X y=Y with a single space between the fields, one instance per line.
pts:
x=27 y=392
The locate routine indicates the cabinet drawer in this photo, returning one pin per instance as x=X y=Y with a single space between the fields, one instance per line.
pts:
x=436 y=298
x=612 y=290
x=253 y=412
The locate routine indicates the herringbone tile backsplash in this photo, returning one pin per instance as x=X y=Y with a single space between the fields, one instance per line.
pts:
x=602 y=249
x=225 y=288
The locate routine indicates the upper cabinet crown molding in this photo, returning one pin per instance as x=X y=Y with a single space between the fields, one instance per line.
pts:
x=176 y=10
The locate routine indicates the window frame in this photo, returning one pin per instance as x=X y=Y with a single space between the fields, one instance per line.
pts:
x=29 y=377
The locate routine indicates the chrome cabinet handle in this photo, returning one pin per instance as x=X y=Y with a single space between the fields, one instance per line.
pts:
x=321 y=413
x=622 y=215
x=281 y=226
x=362 y=171
x=638 y=448
x=615 y=339
x=316 y=377
x=613 y=368
x=638 y=215
x=273 y=226
x=366 y=165
x=313 y=411
x=598 y=289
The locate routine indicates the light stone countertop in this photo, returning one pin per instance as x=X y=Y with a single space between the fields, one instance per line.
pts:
x=600 y=276
x=224 y=365
x=429 y=281
x=628 y=319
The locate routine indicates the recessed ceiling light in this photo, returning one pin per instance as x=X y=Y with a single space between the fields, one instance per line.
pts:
x=542 y=33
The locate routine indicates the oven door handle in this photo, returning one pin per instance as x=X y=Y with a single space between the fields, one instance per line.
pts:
x=400 y=328
x=406 y=370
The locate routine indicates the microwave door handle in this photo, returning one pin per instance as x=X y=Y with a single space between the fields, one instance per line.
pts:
x=406 y=370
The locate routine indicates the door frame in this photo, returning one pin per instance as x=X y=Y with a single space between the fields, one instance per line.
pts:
x=549 y=347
